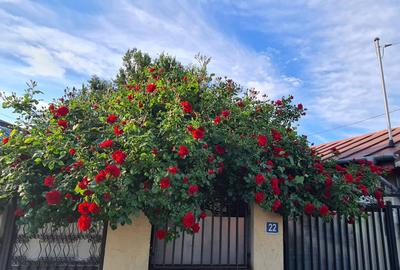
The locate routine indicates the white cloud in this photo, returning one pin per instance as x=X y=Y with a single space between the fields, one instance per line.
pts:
x=182 y=30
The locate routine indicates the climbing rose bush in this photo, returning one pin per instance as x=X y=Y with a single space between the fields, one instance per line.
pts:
x=166 y=140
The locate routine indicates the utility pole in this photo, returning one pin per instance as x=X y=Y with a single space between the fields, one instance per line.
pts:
x=379 y=56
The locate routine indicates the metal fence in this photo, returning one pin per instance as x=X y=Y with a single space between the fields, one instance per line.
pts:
x=50 y=248
x=371 y=243
x=222 y=243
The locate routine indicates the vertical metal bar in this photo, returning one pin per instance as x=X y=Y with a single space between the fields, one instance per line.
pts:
x=326 y=246
x=385 y=258
x=333 y=243
x=375 y=240
x=237 y=231
x=361 y=242
x=173 y=248
x=191 y=255
x=318 y=245
x=369 y=244
x=164 y=247
x=245 y=240
x=311 y=242
x=339 y=222
x=220 y=232
x=183 y=246
x=286 y=261
x=346 y=227
x=202 y=241
x=303 y=255
x=295 y=243
x=228 y=206
x=355 y=245
x=103 y=244
x=212 y=232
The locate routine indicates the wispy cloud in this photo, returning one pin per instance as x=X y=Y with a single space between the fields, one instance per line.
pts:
x=96 y=48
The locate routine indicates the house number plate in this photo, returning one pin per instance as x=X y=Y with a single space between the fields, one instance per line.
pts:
x=271 y=227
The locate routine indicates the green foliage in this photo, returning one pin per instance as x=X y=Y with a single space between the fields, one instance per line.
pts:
x=237 y=146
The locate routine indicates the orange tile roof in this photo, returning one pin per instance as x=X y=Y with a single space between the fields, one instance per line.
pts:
x=368 y=145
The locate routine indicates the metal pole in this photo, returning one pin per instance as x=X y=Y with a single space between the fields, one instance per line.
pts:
x=389 y=125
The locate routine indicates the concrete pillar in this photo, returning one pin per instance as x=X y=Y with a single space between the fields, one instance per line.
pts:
x=266 y=248
x=128 y=247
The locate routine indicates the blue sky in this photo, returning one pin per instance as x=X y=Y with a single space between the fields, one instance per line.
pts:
x=320 y=51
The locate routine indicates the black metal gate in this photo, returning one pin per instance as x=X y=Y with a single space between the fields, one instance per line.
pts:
x=367 y=244
x=50 y=248
x=222 y=243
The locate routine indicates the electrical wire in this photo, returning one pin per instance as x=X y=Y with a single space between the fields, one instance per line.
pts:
x=352 y=124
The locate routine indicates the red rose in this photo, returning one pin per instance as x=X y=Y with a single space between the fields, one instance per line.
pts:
x=5 y=140
x=119 y=156
x=68 y=196
x=309 y=208
x=363 y=189
x=112 y=118
x=276 y=205
x=203 y=215
x=276 y=135
x=196 y=227
x=198 y=134
x=260 y=179
x=94 y=208
x=101 y=176
x=269 y=164
x=183 y=151
x=300 y=106
x=62 y=123
x=106 y=143
x=323 y=210
x=19 y=212
x=161 y=234
x=165 y=183
x=210 y=158
x=62 y=111
x=188 y=220
x=219 y=149
x=340 y=168
x=378 y=194
x=259 y=197
x=113 y=170
x=118 y=131
x=226 y=113
x=106 y=196
x=187 y=107
x=193 y=189
x=83 y=208
x=150 y=88
x=262 y=140
x=185 y=180
x=211 y=171
x=49 y=181
x=328 y=182
x=130 y=96
x=172 y=169
x=217 y=120
x=348 y=178
x=72 y=151
x=275 y=186
x=53 y=197
x=52 y=108
x=278 y=102
x=84 y=223
x=318 y=166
